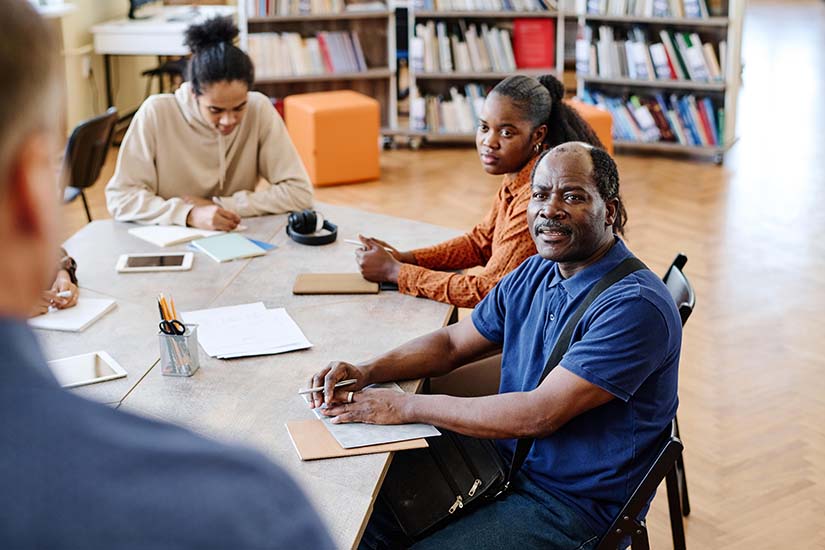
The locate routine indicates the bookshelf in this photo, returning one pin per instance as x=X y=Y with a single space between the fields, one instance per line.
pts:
x=335 y=27
x=698 y=97
x=442 y=31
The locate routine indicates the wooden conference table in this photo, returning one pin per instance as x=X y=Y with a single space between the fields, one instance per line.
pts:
x=249 y=400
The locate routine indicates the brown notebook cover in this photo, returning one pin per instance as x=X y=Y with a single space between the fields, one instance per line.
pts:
x=313 y=441
x=333 y=283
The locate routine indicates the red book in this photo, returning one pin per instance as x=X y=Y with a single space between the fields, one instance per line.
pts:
x=534 y=43
x=703 y=114
x=322 y=43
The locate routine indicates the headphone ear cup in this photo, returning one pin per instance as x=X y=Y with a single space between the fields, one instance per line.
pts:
x=319 y=221
x=309 y=222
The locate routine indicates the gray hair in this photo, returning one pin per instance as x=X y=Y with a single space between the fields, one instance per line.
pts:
x=30 y=94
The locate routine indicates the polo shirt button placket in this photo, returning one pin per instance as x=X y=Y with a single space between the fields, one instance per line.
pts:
x=552 y=316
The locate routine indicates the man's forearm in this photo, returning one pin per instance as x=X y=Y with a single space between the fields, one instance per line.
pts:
x=508 y=415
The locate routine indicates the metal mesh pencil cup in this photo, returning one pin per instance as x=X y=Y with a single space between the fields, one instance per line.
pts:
x=179 y=353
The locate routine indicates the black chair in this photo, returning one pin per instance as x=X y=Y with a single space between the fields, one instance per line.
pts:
x=173 y=69
x=626 y=528
x=682 y=293
x=85 y=154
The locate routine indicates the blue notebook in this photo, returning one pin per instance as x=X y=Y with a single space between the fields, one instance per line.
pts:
x=229 y=246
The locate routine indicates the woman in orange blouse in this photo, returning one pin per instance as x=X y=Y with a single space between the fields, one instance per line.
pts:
x=521 y=117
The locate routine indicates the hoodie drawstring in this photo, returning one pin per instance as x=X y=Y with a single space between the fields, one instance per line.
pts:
x=222 y=161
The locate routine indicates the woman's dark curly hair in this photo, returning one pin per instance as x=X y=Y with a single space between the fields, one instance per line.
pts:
x=541 y=102
x=214 y=56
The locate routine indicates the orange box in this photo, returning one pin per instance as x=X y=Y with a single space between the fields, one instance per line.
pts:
x=336 y=135
x=600 y=120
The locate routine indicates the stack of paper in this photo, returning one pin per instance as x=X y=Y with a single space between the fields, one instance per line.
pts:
x=166 y=235
x=74 y=319
x=360 y=435
x=245 y=330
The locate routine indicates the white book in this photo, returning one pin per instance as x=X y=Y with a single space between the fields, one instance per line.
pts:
x=583 y=57
x=445 y=60
x=660 y=64
x=74 y=319
x=507 y=47
x=417 y=54
x=170 y=235
x=711 y=61
x=696 y=64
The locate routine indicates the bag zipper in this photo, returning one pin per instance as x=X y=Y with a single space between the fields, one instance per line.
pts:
x=459 y=502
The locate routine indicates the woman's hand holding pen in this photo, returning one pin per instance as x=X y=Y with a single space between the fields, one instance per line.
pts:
x=378 y=261
x=208 y=215
x=333 y=373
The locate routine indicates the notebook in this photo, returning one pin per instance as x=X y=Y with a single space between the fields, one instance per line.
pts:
x=74 y=319
x=312 y=441
x=165 y=235
x=333 y=283
x=229 y=246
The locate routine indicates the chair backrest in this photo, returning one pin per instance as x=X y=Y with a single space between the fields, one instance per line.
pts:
x=626 y=527
x=87 y=148
x=680 y=288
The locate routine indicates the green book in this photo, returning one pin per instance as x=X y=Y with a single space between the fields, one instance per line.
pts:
x=229 y=246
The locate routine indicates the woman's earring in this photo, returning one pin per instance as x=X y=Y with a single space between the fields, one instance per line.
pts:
x=537 y=147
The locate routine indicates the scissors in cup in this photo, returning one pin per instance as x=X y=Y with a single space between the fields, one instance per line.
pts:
x=172 y=328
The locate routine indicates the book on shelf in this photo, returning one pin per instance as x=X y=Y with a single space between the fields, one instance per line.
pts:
x=289 y=54
x=467 y=48
x=692 y=9
x=454 y=113
x=679 y=55
x=273 y=8
x=484 y=5
x=534 y=43
x=651 y=118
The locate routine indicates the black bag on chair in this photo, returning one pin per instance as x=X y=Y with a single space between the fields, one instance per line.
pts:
x=425 y=488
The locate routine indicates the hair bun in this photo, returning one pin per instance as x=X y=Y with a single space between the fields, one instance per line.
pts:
x=553 y=86
x=210 y=33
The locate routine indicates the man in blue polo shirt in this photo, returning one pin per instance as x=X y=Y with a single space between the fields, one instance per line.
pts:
x=598 y=418
x=77 y=474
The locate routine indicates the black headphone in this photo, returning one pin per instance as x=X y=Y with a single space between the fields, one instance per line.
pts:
x=303 y=225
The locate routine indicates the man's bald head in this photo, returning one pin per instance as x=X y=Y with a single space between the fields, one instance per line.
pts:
x=597 y=163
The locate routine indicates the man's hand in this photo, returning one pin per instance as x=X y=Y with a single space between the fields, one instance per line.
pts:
x=372 y=406
x=336 y=371
x=376 y=263
x=212 y=216
x=62 y=284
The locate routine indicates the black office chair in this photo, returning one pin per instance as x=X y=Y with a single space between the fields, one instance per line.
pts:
x=682 y=292
x=626 y=528
x=173 y=69
x=85 y=154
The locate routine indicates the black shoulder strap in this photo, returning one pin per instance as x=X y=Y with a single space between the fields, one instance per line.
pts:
x=628 y=266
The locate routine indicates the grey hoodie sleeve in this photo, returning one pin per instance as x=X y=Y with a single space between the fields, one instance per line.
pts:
x=131 y=194
x=288 y=187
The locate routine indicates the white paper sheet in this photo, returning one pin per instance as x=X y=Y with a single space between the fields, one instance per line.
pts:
x=245 y=330
x=74 y=319
x=356 y=434
x=167 y=235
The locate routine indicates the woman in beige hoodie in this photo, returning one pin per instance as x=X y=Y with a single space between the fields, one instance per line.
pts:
x=213 y=151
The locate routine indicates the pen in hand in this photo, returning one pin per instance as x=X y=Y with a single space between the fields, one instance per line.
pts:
x=340 y=384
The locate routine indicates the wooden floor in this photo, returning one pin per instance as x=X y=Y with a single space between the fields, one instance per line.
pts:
x=753 y=365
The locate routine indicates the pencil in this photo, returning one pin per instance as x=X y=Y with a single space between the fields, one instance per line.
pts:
x=340 y=384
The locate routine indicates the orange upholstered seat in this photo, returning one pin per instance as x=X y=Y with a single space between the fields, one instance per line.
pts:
x=599 y=119
x=336 y=135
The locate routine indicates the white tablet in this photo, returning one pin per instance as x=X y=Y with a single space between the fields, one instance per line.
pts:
x=155 y=261
x=89 y=368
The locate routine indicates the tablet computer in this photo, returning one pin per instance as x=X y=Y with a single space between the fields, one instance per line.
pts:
x=89 y=368
x=155 y=261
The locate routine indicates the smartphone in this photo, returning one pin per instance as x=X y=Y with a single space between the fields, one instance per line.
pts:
x=167 y=261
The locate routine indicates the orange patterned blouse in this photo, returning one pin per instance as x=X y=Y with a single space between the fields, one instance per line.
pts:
x=499 y=243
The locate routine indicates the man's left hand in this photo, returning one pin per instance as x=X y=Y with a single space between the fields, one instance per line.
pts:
x=376 y=263
x=373 y=406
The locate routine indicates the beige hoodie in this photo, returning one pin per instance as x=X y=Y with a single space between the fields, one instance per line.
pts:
x=170 y=151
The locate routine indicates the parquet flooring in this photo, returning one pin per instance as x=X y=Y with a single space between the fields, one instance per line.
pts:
x=752 y=380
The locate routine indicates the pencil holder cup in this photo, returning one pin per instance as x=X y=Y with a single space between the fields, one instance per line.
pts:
x=179 y=352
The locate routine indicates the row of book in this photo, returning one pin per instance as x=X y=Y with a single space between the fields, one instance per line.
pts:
x=679 y=56
x=683 y=119
x=456 y=113
x=483 y=48
x=691 y=9
x=484 y=5
x=289 y=54
x=269 y=8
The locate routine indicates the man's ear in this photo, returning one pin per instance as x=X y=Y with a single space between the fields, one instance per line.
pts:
x=26 y=191
x=611 y=211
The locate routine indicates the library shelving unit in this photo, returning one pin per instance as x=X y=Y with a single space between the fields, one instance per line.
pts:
x=712 y=29
x=438 y=83
x=376 y=34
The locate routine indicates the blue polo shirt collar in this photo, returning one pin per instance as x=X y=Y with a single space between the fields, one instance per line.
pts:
x=586 y=278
